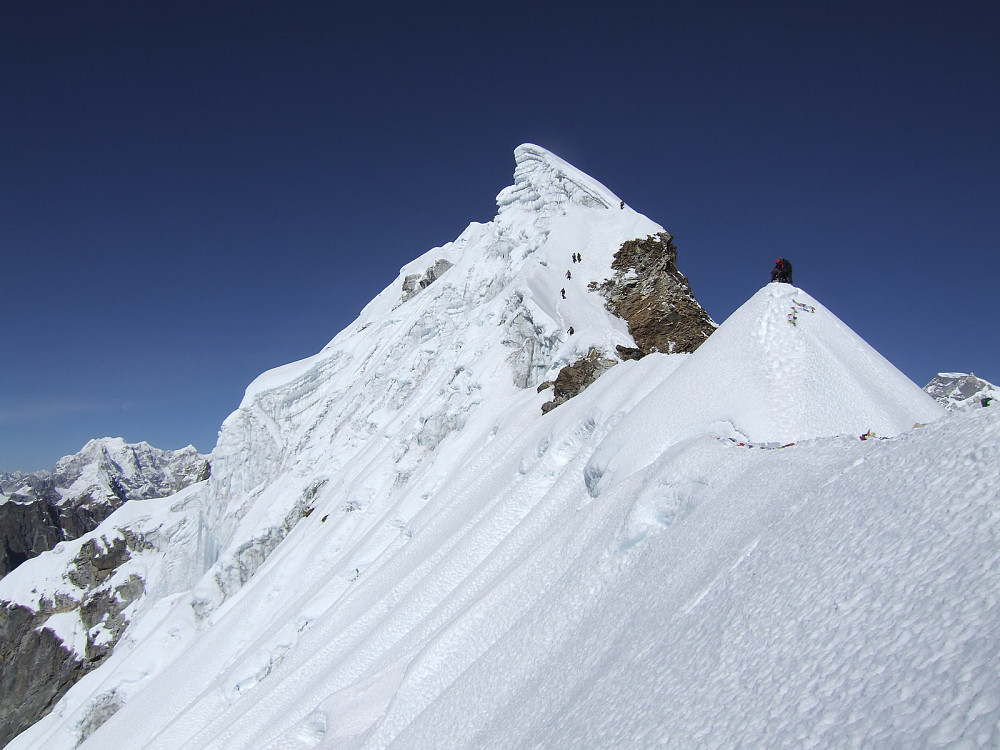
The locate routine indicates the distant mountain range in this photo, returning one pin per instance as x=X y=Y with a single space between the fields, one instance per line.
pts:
x=41 y=509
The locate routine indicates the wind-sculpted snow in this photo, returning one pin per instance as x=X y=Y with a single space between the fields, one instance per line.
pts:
x=836 y=593
x=543 y=180
x=397 y=549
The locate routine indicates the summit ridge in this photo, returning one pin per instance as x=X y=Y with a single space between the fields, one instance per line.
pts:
x=543 y=179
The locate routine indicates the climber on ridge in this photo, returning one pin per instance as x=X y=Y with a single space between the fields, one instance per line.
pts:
x=782 y=271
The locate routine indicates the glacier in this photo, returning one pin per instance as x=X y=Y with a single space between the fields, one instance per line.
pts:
x=398 y=549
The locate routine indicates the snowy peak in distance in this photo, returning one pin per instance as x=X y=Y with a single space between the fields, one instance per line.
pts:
x=47 y=507
x=109 y=468
x=959 y=390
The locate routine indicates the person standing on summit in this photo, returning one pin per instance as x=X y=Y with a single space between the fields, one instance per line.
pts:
x=782 y=271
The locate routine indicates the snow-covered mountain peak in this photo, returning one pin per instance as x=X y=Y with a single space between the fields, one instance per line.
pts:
x=139 y=469
x=467 y=327
x=781 y=369
x=84 y=488
x=519 y=268
x=803 y=373
x=957 y=390
x=543 y=181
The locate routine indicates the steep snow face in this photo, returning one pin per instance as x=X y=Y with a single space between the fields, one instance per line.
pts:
x=418 y=363
x=479 y=321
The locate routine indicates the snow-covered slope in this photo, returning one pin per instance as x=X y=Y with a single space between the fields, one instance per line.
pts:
x=780 y=369
x=398 y=549
x=421 y=374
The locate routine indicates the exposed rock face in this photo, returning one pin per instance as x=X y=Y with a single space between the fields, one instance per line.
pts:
x=37 y=512
x=655 y=299
x=26 y=530
x=45 y=508
x=39 y=667
x=574 y=378
x=415 y=282
x=957 y=390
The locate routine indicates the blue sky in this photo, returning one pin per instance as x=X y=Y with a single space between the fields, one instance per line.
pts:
x=192 y=193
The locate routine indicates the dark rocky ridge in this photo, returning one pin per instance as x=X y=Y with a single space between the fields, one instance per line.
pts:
x=656 y=301
x=30 y=527
x=574 y=378
x=38 y=667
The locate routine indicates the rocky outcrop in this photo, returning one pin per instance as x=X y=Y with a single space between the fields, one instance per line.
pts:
x=574 y=378
x=958 y=390
x=26 y=530
x=654 y=298
x=39 y=666
x=38 y=669
x=415 y=282
x=46 y=508
x=656 y=301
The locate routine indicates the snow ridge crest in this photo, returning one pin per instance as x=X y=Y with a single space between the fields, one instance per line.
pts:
x=543 y=181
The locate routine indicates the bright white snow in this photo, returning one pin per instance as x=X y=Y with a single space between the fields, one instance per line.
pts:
x=397 y=549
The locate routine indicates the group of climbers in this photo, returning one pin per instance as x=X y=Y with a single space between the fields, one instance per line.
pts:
x=577 y=258
x=782 y=273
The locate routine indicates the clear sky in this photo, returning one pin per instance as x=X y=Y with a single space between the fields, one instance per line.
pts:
x=194 y=192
